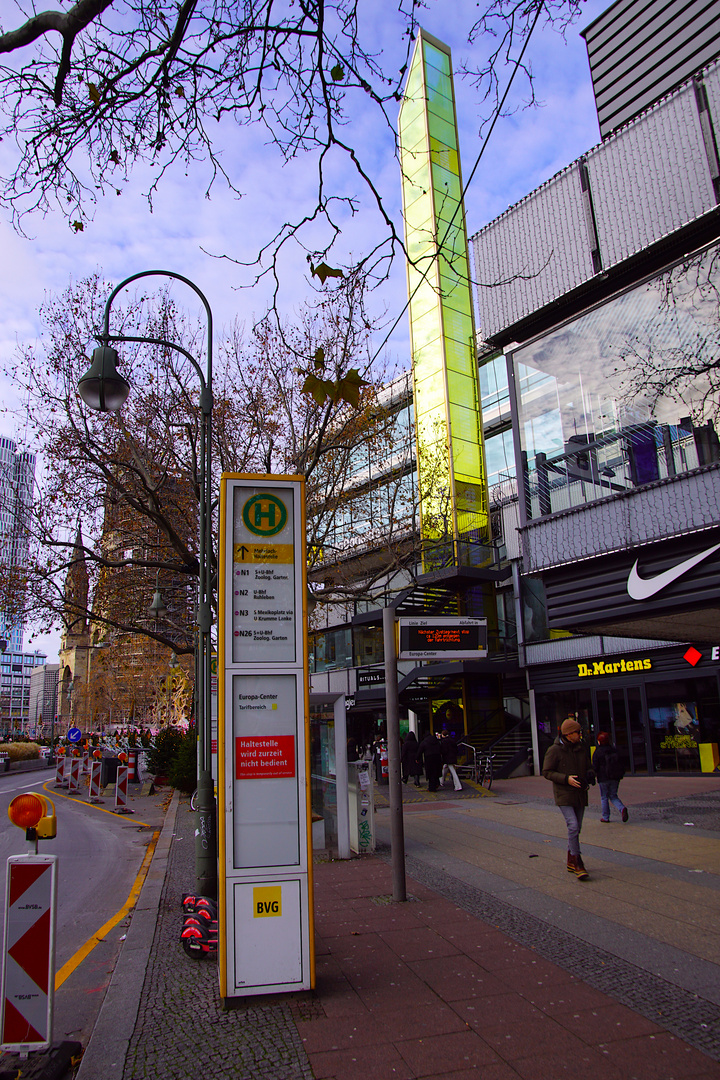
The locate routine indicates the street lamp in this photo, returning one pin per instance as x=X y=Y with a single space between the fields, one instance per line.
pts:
x=102 y=388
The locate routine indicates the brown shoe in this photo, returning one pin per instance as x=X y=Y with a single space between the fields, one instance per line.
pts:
x=578 y=868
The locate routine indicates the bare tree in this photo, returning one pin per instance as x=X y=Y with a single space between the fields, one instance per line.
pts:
x=132 y=478
x=89 y=92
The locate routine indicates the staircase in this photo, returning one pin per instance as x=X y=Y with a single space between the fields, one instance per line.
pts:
x=509 y=747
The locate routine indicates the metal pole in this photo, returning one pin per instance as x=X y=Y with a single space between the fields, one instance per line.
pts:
x=397 y=835
x=205 y=839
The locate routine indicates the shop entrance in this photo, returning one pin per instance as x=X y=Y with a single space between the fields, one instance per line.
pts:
x=620 y=712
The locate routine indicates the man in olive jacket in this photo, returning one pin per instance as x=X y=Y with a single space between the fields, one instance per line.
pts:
x=567 y=765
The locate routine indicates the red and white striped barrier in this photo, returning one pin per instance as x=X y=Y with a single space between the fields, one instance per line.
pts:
x=121 y=791
x=95 y=778
x=74 y=784
x=86 y=762
x=132 y=763
x=61 y=777
x=28 y=968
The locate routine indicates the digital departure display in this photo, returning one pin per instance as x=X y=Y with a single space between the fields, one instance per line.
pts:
x=442 y=638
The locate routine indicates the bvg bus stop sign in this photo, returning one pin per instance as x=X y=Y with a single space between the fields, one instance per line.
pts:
x=263 y=784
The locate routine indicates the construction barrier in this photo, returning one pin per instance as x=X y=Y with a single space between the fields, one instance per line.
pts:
x=61 y=776
x=132 y=764
x=86 y=762
x=121 y=791
x=95 y=780
x=28 y=961
x=74 y=784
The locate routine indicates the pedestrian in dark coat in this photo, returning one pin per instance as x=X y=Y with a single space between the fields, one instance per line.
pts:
x=567 y=765
x=609 y=772
x=430 y=752
x=408 y=759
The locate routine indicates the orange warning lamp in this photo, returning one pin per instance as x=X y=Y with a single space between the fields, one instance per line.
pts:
x=33 y=811
x=122 y=758
x=97 y=754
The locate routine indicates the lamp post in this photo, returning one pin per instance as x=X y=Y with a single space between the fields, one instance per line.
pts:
x=104 y=389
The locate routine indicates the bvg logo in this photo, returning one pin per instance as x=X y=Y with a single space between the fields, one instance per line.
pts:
x=264 y=515
x=267 y=902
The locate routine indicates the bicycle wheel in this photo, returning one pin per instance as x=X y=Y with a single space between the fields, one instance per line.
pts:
x=194 y=800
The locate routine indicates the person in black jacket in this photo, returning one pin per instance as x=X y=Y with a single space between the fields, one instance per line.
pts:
x=609 y=772
x=408 y=759
x=567 y=764
x=430 y=752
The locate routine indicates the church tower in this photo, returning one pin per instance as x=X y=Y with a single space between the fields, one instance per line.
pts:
x=75 y=643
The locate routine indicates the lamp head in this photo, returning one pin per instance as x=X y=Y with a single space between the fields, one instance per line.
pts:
x=158 y=608
x=101 y=387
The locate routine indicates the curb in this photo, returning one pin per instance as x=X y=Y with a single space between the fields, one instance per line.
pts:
x=108 y=1044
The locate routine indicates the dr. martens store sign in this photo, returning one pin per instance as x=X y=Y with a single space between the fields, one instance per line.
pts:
x=613 y=667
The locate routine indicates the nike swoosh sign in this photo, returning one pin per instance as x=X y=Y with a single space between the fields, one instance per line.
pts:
x=643 y=588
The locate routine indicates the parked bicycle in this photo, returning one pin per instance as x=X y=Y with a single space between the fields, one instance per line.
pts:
x=485 y=770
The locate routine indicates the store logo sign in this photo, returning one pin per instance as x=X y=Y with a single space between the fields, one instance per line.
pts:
x=267 y=902
x=643 y=588
x=613 y=667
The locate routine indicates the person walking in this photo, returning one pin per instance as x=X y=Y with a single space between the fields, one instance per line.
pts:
x=609 y=773
x=449 y=748
x=409 y=765
x=567 y=764
x=430 y=753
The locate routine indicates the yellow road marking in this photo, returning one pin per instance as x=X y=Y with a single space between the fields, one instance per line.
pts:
x=67 y=969
x=84 y=802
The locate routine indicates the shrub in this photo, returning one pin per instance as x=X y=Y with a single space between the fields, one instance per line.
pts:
x=163 y=753
x=22 y=751
x=183 y=770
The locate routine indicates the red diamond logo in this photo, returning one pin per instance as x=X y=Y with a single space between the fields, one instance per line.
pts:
x=692 y=656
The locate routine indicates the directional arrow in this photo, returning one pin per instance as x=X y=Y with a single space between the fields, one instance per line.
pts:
x=243 y=552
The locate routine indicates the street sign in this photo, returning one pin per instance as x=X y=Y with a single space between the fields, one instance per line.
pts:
x=448 y=638
x=263 y=783
x=74 y=735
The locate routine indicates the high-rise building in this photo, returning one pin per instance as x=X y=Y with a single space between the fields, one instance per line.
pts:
x=17 y=472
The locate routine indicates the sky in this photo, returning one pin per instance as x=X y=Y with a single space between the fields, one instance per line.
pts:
x=187 y=232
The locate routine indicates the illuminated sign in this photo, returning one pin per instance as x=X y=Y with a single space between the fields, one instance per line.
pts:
x=613 y=667
x=442 y=639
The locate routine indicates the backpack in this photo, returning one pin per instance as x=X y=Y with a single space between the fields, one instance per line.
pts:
x=613 y=765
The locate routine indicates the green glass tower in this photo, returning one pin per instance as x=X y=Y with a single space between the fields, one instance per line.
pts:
x=451 y=465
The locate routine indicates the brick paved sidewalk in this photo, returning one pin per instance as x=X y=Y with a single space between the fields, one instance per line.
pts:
x=426 y=990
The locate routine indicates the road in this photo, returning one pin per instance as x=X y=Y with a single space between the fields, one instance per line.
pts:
x=100 y=855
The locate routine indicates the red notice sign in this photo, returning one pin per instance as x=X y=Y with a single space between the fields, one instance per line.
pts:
x=264 y=756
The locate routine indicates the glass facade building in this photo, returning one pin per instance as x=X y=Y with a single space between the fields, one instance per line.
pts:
x=626 y=393
x=453 y=491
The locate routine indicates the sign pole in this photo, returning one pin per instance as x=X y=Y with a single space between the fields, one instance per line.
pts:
x=397 y=833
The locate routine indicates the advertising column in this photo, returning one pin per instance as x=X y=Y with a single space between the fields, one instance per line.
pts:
x=263 y=786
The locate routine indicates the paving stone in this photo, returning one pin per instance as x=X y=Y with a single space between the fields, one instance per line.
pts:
x=678 y=1011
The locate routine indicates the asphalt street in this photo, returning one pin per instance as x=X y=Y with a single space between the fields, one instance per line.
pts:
x=100 y=854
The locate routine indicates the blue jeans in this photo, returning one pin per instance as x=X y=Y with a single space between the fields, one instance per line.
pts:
x=609 y=794
x=573 y=819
